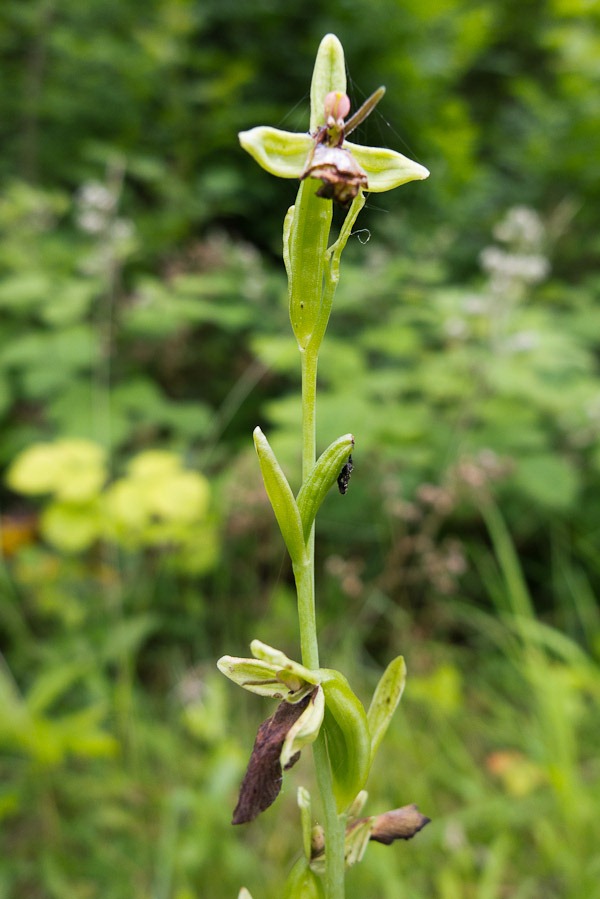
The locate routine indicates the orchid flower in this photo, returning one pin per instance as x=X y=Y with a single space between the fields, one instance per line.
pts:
x=324 y=153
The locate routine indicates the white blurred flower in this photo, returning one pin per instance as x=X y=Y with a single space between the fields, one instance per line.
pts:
x=95 y=195
x=522 y=342
x=521 y=225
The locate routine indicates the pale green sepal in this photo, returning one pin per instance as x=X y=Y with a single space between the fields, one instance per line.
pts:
x=284 y=666
x=347 y=735
x=357 y=806
x=305 y=806
x=357 y=840
x=282 y=153
x=329 y=74
x=386 y=169
x=281 y=498
x=386 y=697
x=323 y=476
x=306 y=729
x=270 y=673
x=306 y=235
x=262 y=679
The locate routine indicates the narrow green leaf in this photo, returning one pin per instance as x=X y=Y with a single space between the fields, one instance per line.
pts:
x=323 y=476
x=281 y=498
x=385 y=701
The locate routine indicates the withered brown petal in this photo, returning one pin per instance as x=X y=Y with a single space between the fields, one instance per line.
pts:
x=262 y=781
x=399 y=824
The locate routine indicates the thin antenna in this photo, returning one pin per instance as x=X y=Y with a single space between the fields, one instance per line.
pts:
x=361 y=113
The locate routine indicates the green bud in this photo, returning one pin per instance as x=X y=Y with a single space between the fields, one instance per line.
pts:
x=281 y=498
x=347 y=734
x=303 y=883
x=323 y=476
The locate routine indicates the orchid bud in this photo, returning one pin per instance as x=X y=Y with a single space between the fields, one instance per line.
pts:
x=303 y=883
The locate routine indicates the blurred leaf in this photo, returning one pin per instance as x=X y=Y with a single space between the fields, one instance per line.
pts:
x=549 y=480
x=127 y=637
x=442 y=689
x=52 y=685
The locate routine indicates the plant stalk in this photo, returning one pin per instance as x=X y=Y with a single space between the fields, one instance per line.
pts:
x=334 y=824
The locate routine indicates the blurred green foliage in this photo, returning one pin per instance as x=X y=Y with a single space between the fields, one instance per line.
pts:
x=144 y=335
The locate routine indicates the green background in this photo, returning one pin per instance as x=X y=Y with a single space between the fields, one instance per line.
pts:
x=143 y=308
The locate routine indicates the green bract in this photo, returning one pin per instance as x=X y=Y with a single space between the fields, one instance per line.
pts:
x=322 y=478
x=388 y=694
x=281 y=498
x=348 y=739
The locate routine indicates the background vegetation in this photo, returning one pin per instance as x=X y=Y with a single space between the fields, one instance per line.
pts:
x=144 y=334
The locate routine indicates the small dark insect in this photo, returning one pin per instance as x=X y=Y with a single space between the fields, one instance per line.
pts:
x=344 y=476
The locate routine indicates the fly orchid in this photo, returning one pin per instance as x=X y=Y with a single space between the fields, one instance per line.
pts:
x=317 y=705
x=324 y=154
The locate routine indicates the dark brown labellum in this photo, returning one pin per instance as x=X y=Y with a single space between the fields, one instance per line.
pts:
x=262 y=782
x=339 y=171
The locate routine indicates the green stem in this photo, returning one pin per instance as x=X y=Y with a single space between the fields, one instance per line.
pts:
x=309 y=411
x=305 y=574
x=335 y=825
